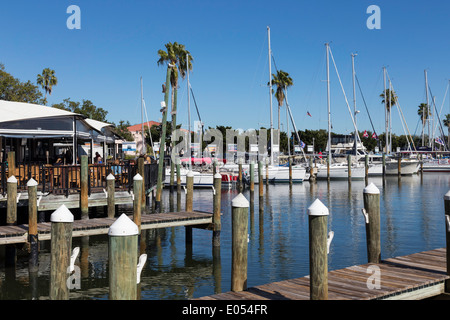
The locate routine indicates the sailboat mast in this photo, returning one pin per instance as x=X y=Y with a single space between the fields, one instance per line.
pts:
x=270 y=95
x=142 y=120
x=390 y=118
x=385 y=112
x=354 y=103
x=329 y=110
x=189 y=113
x=425 y=113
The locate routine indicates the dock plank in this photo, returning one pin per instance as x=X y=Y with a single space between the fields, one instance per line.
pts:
x=413 y=276
x=97 y=226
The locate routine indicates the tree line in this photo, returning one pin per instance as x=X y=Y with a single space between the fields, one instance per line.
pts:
x=13 y=89
x=179 y=59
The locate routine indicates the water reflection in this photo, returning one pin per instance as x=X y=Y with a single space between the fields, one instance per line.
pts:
x=411 y=221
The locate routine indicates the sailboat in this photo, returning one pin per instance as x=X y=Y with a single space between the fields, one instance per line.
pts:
x=408 y=166
x=280 y=174
x=337 y=170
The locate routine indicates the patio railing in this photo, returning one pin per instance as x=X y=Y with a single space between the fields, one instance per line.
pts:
x=65 y=179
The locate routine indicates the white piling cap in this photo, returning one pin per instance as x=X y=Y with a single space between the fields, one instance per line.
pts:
x=317 y=208
x=123 y=227
x=447 y=196
x=240 y=201
x=217 y=176
x=110 y=177
x=62 y=214
x=372 y=189
x=32 y=183
x=137 y=177
x=12 y=179
x=190 y=173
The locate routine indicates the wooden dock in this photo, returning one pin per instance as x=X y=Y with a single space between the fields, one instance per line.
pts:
x=97 y=226
x=416 y=276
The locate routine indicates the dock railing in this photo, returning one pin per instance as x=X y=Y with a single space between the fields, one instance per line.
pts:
x=65 y=179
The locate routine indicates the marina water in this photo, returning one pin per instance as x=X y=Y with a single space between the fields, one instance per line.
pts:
x=412 y=220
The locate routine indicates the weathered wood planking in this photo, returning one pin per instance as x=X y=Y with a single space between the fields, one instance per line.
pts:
x=19 y=234
x=415 y=276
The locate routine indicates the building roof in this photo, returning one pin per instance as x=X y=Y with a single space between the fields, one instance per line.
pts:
x=98 y=125
x=16 y=111
x=138 y=127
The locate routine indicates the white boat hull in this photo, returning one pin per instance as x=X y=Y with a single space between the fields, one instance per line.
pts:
x=408 y=167
x=277 y=174
x=441 y=165
x=281 y=174
x=375 y=170
x=340 y=172
x=201 y=179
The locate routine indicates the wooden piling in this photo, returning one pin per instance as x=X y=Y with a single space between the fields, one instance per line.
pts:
x=11 y=201
x=33 y=264
x=239 y=243
x=318 y=258
x=189 y=204
x=252 y=180
x=240 y=182
x=399 y=166
x=349 y=166
x=61 y=250
x=328 y=165
x=217 y=225
x=384 y=163
x=178 y=178
x=290 y=170
x=421 y=163
x=110 y=190
x=189 y=191
x=372 y=218
x=137 y=200
x=11 y=220
x=447 y=236
x=122 y=255
x=141 y=168
x=84 y=188
x=366 y=165
x=11 y=163
x=260 y=179
x=267 y=171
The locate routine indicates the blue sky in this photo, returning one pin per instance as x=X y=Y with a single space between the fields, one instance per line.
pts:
x=118 y=43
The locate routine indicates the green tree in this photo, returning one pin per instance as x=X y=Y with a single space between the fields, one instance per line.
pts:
x=12 y=89
x=282 y=81
x=122 y=130
x=86 y=108
x=393 y=98
x=176 y=58
x=47 y=80
x=446 y=122
x=423 y=112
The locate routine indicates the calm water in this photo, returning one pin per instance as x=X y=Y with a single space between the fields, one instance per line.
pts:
x=412 y=212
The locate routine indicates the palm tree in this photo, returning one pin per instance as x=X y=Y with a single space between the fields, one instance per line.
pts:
x=447 y=124
x=421 y=112
x=424 y=113
x=393 y=98
x=47 y=80
x=178 y=59
x=282 y=80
